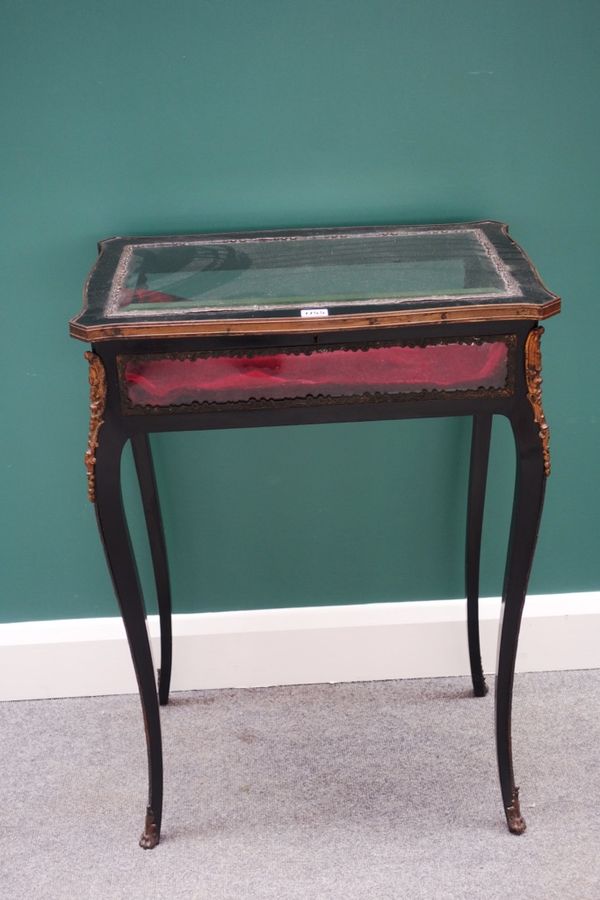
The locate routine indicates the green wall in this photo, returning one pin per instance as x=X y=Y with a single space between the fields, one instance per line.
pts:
x=139 y=117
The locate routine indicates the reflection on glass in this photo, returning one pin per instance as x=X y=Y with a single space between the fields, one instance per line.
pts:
x=263 y=273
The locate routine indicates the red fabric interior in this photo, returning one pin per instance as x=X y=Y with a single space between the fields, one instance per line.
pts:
x=145 y=296
x=162 y=382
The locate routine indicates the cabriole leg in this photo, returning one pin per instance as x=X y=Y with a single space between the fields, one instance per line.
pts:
x=480 y=449
x=145 y=471
x=533 y=466
x=117 y=546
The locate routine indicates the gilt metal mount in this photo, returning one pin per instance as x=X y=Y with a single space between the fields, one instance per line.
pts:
x=533 y=375
x=97 y=378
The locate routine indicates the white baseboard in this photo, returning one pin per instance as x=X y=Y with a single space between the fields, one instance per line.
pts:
x=89 y=657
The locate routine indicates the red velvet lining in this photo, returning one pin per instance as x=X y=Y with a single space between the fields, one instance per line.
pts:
x=162 y=382
x=141 y=295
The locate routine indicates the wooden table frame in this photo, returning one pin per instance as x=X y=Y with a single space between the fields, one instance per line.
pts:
x=113 y=424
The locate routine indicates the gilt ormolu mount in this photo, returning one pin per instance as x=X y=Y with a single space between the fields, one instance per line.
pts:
x=533 y=370
x=97 y=379
x=304 y=327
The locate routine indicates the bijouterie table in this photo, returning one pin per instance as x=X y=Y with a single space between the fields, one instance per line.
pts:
x=312 y=326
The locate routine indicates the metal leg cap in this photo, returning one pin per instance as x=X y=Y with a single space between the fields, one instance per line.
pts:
x=151 y=834
x=516 y=822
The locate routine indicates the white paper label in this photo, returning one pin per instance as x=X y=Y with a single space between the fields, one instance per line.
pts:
x=314 y=313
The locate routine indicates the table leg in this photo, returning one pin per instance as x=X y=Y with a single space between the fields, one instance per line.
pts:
x=121 y=563
x=532 y=468
x=145 y=471
x=480 y=449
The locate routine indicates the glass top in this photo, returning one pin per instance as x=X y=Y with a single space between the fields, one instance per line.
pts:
x=306 y=274
x=268 y=274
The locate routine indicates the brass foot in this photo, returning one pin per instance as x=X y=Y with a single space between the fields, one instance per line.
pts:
x=151 y=835
x=516 y=822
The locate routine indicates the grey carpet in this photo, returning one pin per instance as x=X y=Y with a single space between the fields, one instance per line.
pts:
x=373 y=790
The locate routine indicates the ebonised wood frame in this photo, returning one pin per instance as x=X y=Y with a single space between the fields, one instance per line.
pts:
x=111 y=427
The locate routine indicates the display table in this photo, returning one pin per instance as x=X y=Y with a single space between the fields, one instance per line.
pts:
x=302 y=327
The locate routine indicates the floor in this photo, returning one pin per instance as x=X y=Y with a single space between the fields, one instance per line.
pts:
x=370 y=790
